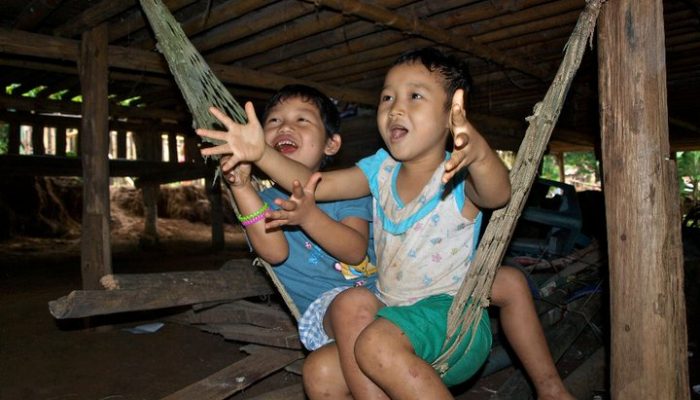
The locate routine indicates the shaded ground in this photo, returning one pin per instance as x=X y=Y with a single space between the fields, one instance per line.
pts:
x=41 y=358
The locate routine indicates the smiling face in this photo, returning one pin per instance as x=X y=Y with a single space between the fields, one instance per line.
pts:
x=412 y=117
x=294 y=127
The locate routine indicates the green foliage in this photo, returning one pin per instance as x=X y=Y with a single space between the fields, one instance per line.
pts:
x=58 y=95
x=9 y=89
x=550 y=170
x=127 y=102
x=34 y=91
x=4 y=137
x=584 y=162
x=77 y=99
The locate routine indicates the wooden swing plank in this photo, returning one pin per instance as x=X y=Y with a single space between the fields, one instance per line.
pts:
x=238 y=376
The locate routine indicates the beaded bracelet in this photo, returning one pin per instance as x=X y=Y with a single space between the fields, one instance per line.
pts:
x=253 y=220
x=253 y=215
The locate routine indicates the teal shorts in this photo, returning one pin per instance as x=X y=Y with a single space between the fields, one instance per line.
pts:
x=425 y=325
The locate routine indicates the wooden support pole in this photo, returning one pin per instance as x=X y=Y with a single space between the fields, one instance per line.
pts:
x=61 y=140
x=649 y=356
x=150 y=191
x=95 y=240
x=172 y=147
x=121 y=144
x=560 y=164
x=13 y=141
x=213 y=188
x=38 y=140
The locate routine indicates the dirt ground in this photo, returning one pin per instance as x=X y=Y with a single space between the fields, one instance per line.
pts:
x=96 y=359
x=42 y=358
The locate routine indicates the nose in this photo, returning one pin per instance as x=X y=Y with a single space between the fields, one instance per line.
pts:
x=396 y=110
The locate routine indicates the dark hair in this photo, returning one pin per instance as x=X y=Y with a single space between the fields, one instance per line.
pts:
x=328 y=110
x=453 y=71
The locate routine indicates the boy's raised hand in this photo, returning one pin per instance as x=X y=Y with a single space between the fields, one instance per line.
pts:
x=239 y=175
x=243 y=142
x=468 y=143
x=299 y=208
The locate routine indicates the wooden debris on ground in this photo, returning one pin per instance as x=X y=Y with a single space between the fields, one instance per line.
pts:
x=140 y=292
x=261 y=362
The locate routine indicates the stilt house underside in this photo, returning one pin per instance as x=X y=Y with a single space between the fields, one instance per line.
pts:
x=342 y=47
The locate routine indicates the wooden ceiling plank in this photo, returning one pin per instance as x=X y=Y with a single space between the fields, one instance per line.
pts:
x=93 y=16
x=441 y=36
x=217 y=15
x=34 y=12
x=251 y=24
x=27 y=43
x=292 y=30
x=135 y=20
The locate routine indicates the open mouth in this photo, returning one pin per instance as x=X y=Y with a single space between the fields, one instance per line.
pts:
x=285 y=146
x=396 y=132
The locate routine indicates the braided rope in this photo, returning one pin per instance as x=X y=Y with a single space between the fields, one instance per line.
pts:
x=477 y=283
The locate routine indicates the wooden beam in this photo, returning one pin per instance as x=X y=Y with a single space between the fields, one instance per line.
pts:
x=95 y=249
x=415 y=26
x=162 y=172
x=136 y=21
x=648 y=320
x=217 y=15
x=31 y=44
x=92 y=17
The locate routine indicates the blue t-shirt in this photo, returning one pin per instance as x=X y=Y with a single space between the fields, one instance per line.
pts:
x=309 y=271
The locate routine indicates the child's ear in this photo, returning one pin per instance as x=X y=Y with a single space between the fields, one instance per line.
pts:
x=333 y=144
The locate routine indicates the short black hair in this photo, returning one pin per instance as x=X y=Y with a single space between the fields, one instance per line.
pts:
x=326 y=108
x=453 y=71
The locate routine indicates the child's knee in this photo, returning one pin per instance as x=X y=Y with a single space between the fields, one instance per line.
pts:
x=321 y=373
x=508 y=284
x=354 y=305
x=379 y=346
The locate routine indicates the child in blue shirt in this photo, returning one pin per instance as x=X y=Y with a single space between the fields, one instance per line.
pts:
x=328 y=251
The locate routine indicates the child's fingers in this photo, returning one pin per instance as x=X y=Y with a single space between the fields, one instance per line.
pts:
x=275 y=223
x=314 y=179
x=461 y=139
x=230 y=163
x=212 y=134
x=214 y=150
x=223 y=118
x=297 y=190
x=286 y=205
x=250 y=113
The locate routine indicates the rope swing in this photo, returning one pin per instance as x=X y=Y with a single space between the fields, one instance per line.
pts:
x=201 y=89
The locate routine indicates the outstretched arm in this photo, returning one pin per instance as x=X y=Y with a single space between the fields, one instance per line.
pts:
x=247 y=143
x=269 y=244
x=488 y=185
x=345 y=240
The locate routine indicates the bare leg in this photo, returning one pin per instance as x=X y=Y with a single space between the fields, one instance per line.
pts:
x=347 y=316
x=384 y=353
x=322 y=376
x=524 y=332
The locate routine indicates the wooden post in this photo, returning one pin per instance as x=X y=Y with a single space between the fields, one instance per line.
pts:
x=121 y=144
x=649 y=343
x=61 y=140
x=560 y=164
x=172 y=147
x=38 y=140
x=213 y=188
x=150 y=191
x=95 y=241
x=14 y=139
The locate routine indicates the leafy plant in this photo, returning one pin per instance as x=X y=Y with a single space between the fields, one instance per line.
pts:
x=688 y=164
x=4 y=137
